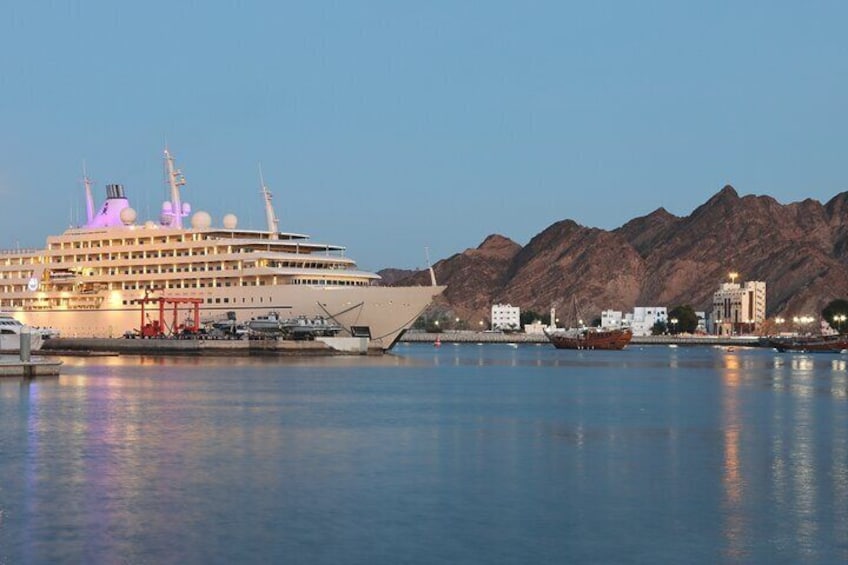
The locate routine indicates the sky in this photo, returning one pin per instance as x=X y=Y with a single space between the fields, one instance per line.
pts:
x=392 y=127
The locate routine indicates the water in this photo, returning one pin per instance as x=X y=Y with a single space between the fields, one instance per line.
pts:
x=463 y=454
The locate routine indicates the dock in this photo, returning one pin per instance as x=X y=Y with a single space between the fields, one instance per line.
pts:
x=497 y=337
x=13 y=366
x=208 y=347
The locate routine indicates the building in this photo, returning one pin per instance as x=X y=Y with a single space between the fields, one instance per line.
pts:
x=506 y=317
x=535 y=328
x=644 y=318
x=611 y=319
x=739 y=308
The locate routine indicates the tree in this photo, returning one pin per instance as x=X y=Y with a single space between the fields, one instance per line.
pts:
x=834 y=308
x=659 y=328
x=528 y=317
x=687 y=319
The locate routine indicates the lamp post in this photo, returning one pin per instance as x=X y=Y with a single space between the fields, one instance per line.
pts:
x=839 y=319
x=673 y=325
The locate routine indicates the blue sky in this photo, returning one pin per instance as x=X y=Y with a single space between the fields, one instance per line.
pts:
x=389 y=127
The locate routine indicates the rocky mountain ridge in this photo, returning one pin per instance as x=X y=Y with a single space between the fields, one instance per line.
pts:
x=799 y=249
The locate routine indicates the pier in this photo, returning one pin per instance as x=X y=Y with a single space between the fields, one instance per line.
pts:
x=497 y=337
x=209 y=347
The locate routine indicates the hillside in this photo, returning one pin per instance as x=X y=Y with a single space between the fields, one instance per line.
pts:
x=799 y=249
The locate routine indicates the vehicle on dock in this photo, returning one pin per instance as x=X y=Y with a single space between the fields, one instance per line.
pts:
x=298 y=328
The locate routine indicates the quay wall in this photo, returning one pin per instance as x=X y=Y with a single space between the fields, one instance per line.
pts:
x=57 y=346
x=493 y=337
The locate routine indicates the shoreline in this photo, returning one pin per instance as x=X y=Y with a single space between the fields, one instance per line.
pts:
x=493 y=337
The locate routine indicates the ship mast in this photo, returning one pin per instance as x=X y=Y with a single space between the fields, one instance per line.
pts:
x=89 y=199
x=430 y=267
x=175 y=181
x=270 y=216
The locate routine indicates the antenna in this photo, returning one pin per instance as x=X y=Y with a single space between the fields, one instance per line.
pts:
x=270 y=216
x=430 y=267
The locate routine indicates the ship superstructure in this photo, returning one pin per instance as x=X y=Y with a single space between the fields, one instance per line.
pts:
x=89 y=281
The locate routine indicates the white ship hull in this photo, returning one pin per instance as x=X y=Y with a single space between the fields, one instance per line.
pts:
x=386 y=312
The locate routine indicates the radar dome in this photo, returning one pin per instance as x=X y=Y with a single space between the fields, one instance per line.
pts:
x=230 y=221
x=128 y=216
x=201 y=221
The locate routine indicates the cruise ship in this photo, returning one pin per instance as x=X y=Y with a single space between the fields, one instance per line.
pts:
x=93 y=280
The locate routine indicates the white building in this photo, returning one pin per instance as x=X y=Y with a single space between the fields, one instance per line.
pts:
x=643 y=319
x=702 y=323
x=506 y=317
x=535 y=328
x=611 y=319
x=739 y=308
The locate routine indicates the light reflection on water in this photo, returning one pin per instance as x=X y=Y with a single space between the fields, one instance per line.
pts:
x=461 y=453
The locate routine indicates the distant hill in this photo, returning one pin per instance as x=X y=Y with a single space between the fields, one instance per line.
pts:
x=799 y=249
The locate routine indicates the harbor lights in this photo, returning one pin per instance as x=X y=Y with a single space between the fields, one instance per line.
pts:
x=839 y=320
x=673 y=322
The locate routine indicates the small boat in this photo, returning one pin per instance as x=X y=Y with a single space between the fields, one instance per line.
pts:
x=438 y=342
x=810 y=344
x=10 y=334
x=590 y=338
x=270 y=323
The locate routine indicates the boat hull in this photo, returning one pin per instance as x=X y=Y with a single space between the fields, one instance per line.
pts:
x=591 y=339
x=383 y=313
x=833 y=344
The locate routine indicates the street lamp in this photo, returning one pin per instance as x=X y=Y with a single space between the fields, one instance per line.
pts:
x=673 y=325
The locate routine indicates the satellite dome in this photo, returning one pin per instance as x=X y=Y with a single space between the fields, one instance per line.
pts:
x=230 y=221
x=128 y=216
x=201 y=221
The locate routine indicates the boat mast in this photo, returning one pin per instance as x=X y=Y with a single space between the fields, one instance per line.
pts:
x=89 y=199
x=270 y=216
x=175 y=181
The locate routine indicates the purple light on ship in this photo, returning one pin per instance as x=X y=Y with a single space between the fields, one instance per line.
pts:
x=109 y=214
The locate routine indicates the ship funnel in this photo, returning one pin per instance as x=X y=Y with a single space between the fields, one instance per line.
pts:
x=115 y=191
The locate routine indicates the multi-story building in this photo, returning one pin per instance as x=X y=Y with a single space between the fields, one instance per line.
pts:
x=739 y=308
x=506 y=317
x=611 y=319
x=644 y=318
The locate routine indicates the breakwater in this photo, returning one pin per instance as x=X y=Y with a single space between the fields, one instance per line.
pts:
x=495 y=337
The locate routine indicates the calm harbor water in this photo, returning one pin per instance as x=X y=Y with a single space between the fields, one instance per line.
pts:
x=462 y=454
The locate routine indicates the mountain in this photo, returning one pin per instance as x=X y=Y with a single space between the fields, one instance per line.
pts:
x=799 y=249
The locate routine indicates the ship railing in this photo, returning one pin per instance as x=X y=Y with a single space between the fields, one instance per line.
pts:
x=20 y=251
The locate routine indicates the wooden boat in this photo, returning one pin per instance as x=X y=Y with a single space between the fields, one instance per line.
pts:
x=811 y=344
x=590 y=338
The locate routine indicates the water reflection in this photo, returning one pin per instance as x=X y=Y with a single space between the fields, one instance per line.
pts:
x=534 y=453
x=734 y=524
